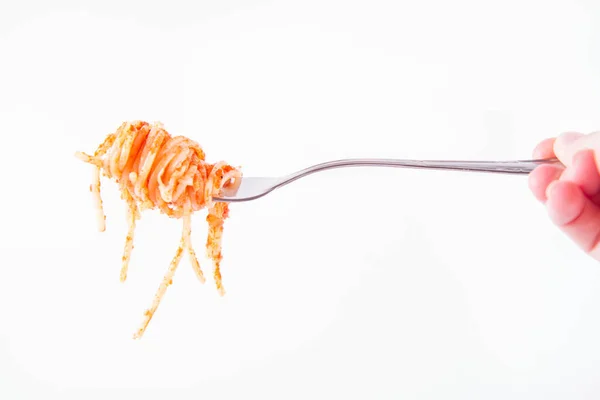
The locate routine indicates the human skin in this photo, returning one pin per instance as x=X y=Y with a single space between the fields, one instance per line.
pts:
x=571 y=192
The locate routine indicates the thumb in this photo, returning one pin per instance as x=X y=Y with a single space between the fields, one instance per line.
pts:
x=570 y=143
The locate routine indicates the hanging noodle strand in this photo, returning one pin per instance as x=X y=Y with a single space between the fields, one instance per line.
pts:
x=155 y=170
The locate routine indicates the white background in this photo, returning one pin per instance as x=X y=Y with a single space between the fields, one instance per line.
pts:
x=351 y=284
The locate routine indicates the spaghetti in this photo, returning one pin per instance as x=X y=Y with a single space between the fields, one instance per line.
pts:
x=157 y=171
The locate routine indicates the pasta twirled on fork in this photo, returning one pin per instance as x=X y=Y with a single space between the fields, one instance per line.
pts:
x=155 y=170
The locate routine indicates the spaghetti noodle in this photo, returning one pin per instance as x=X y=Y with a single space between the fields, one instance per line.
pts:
x=157 y=171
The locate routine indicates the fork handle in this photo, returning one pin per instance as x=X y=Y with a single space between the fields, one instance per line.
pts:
x=504 y=167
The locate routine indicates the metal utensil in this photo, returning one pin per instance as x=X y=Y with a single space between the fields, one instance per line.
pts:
x=252 y=188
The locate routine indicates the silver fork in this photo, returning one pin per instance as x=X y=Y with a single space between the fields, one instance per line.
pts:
x=252 y=188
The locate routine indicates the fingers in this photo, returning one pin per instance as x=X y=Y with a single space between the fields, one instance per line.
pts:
x=575 y=152
x=545 y=149
x=584 y=173
x=570 y=143
x=570 y=201
x=566 y=145
x=571 y=191
x=575 y=214
x=542 y=177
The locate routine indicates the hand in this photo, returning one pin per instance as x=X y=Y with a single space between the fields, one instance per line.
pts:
x=571 y=193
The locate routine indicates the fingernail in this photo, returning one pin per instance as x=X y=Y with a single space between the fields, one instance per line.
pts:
x=568 y=138
x=564 y=146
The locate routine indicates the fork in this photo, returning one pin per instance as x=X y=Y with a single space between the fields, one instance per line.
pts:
x=252 y=188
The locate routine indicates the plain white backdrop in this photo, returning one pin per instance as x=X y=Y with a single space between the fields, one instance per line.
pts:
x=360 y=283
